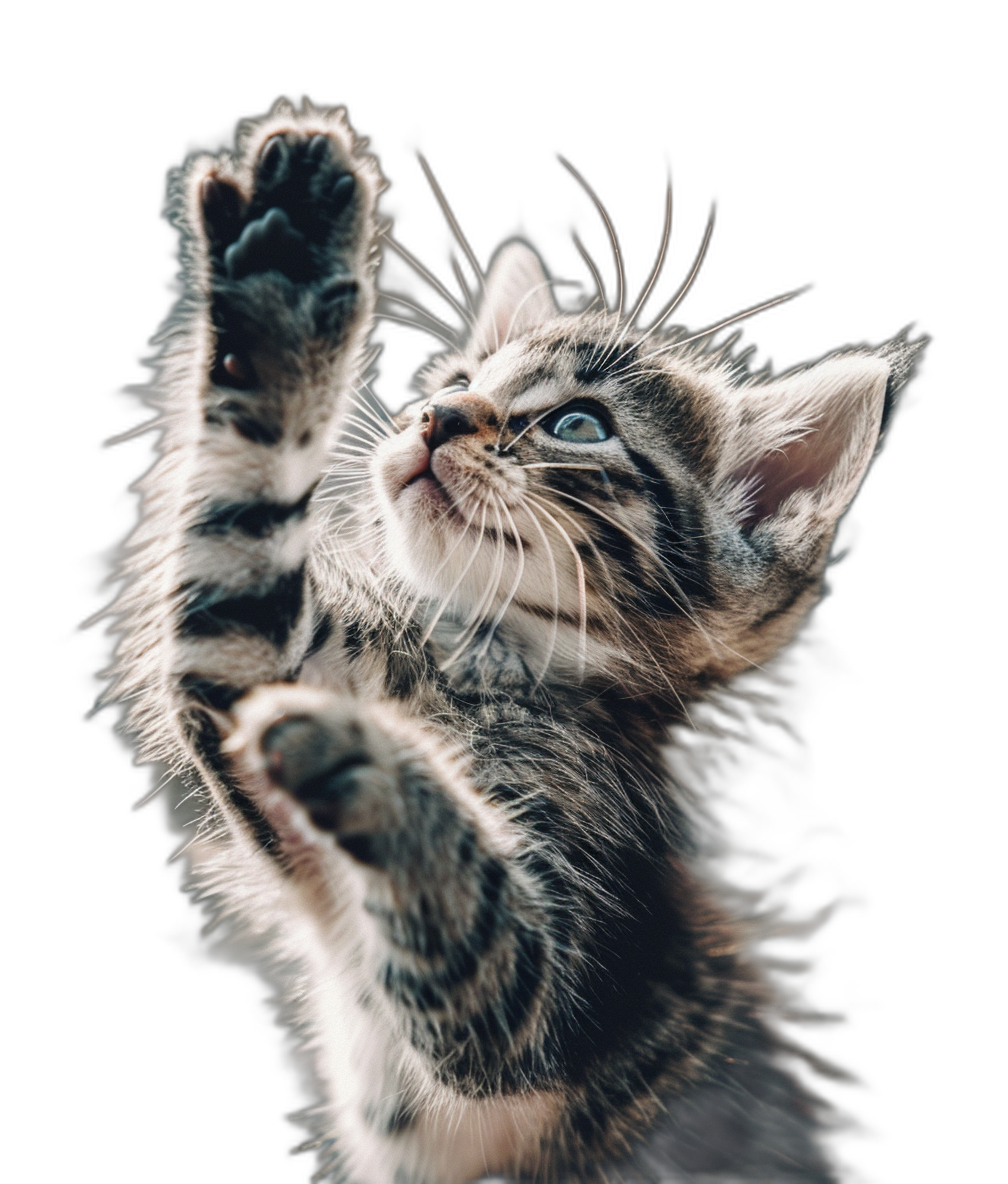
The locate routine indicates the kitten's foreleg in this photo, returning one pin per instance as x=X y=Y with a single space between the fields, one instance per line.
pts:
x=279 y=243
x=465 y=958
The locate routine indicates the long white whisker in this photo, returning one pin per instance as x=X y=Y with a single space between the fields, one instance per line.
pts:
x=452 y=221
x=373 y=405
x=685 y=607
x=513 y=591
x=425 y=273
x=446 y=600
x=617 y=253
x=461 y=281
x=411 y=606
x=530 y=510
x=386 y=425
x=625 y=624
x=482 y=607
x=584 y=533
x=656 y=270
x=741 y=316
x=582 y=593
x=634 y=538
x=362 y=431
x=373 y=429
x=445 y=330
x=478 y=614
x=548 y=464
x=687 y=283
x=353 y=449
x=387 y=316
x=531 y=292
x=529 y=426
x=590 y=264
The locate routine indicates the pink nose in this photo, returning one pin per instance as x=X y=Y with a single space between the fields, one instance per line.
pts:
x=463 y=415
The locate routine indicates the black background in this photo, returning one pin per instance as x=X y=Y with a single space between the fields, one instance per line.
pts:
x=845 y=172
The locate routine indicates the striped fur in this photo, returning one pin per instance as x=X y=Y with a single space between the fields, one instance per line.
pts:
x=420 y=674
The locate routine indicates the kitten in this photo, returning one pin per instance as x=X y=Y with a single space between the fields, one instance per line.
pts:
x=420 y=674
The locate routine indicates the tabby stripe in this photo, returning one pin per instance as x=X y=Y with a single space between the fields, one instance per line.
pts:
x=212 y=611
x=462 y=957
x=253 y=518
x=220 y=696
x=205 y=739
x=542 y=613
x=679 y=531
x=498 y=1022
x=245 y=422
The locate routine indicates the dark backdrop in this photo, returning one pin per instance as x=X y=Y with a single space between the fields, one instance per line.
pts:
x=842 y=174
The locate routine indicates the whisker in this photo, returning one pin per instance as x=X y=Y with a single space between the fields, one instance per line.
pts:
x=590 y=263
x=478 y=614
x=387 y=316
x=353 y=449
x=582 y=594
x=436 y=323
x=687 y=283
x=501 y=612
x=530 y=510
x=741 y=316
x=641 y=643
x=659 y=262
x=365 y=397
x=362 y=429
x=634 y=538
x=617 y=253
x=548 y=464
x=426 y=274
x=685 y=607
x=461 y=281
x=452 y=221
x=446 y=600
x=411 y=605
x=531 y=292
x=586 y=536
x=374 y=407
x=528 y=427
x=373 y=428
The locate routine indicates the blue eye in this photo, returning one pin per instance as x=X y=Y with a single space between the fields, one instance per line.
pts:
x=578 y=426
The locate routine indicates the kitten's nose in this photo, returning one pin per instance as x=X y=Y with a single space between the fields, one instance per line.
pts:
x=439 y=423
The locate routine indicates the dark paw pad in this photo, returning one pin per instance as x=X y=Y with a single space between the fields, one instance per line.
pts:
x=328 y=768
x=300 y=215
x=285 y=258
x=270 y=243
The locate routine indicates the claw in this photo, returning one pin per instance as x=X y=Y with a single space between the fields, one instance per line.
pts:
x=221 y=204
x=272 y=159
x=318 y=149
x=342 y=191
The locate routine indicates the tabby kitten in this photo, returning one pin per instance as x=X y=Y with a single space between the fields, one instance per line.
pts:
x=420 y=674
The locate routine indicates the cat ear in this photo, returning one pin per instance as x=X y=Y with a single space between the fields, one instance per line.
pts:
x=517 y=297
x=800 y=445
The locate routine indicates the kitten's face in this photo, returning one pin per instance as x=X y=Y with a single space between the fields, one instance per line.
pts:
x=620 y=508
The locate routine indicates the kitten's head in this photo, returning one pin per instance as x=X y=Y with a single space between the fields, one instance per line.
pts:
x=623 y=506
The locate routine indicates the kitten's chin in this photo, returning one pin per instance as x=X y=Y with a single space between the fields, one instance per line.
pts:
x=425 y=498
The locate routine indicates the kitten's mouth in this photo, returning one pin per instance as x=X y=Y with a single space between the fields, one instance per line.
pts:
x=429 y=492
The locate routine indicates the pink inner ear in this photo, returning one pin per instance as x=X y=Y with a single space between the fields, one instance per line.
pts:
x=802 y=464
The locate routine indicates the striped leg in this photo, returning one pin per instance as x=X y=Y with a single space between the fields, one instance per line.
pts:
x=464 y=950
x=280 y=248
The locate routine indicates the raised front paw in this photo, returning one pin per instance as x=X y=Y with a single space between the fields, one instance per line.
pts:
x=289 y=226
x=348 y=775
